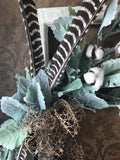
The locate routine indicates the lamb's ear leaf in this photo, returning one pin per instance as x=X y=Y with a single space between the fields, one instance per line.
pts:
x=114 y=94
x=112 y=80
x=22 y=87
x=110 y=14
x=13 y=108
x=76 y=58
x=111 y=66
x=75 y=85
x=72 y=73
x=79 y=60
x=11 y=136
x=6 y=154
x=34 y=96
x=112 y=97
x=71 y=11
x=42 y=79
x=28 y=77
x=3 y=153
x=110 y=23
x=88 y=97
x=11 y=155
x=60 y=27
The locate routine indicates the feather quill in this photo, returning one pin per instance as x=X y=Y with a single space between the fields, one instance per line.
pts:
x=30 y=19
x=22 y=154
x=75 y=33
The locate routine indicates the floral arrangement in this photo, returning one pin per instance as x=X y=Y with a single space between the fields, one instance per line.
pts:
x=91 y=70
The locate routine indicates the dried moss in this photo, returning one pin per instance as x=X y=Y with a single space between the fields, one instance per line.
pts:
x=51 y=129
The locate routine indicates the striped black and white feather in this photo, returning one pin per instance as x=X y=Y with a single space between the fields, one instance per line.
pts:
x=22 y=154
x=30 y=19
x=75 y=33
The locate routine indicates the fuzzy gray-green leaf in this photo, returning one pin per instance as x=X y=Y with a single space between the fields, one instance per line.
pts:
x=112 y=80
x=72 y=73
x=34 y=96
x=75 y=85
x=89 y=99
x=13 y=108
x=42 y=79
x=60 y=27
x=111 y=66
x=22 y=87
x=6 y=154
x=110 y=14
x=3 y=153
x=111 y=21
x=28 y=77
x=11 y=136
x=71 y=11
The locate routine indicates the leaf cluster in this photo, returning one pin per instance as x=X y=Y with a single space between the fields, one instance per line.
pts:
x=30 y=92
x=79 y=63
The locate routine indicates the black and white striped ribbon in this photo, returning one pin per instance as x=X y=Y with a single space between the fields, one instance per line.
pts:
x=75 y=33
x=30 y=19
x=22 y=154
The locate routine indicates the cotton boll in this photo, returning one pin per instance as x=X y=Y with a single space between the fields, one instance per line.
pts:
x=99 y=53
x=89 y=77
x=94 y=52
x=94 y=77
x=99 y=79
x=117 y=48
x=89 y=51
x=98 y=84
x=96 y=70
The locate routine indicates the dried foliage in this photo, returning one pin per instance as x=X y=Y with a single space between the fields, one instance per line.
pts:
x=69 y=113
x=52 y=128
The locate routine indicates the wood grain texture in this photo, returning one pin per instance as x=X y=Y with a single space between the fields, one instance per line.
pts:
x=57 y=3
